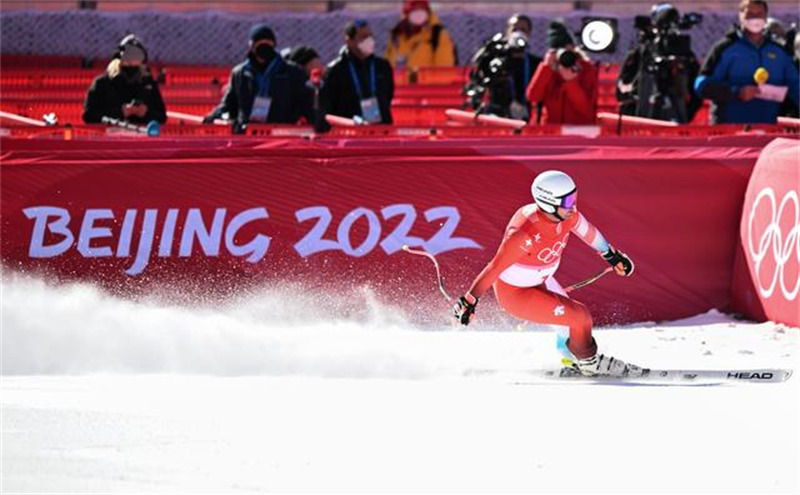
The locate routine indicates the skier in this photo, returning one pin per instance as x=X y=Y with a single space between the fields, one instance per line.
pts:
x=523 y=272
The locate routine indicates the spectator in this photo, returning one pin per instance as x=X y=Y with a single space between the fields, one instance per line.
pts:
x=306 y=58
x=358 y=83
x=127 y=91
x=419 y=40
x=264 y=88
x=727 y=76
x=566 y=82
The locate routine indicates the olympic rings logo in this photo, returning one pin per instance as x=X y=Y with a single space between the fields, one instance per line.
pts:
x=772 y=241
x=549 y=255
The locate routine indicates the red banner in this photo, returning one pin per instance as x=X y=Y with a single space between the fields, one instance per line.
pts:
x=213 y=217
x=770 y=236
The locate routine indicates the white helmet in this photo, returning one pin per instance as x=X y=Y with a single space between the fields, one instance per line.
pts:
x=552 y=189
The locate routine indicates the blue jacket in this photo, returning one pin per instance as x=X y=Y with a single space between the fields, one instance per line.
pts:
x=730 y=65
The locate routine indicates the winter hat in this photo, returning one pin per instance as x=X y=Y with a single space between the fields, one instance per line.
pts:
x=558 y=36
x=410 y=5
x=261 y=32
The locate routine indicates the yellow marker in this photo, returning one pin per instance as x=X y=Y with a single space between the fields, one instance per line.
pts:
x=761 y=75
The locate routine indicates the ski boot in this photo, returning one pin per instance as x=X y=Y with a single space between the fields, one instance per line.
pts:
x=606 y=366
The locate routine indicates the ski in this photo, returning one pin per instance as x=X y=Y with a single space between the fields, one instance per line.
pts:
x=654 y=376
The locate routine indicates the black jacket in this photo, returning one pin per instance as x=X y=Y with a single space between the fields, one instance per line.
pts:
x=292 y=97
x=633 y=71
x=106 y=96
x=501 y=95
x=338 y=95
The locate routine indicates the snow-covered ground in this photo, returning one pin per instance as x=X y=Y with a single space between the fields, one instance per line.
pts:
x=102 y=395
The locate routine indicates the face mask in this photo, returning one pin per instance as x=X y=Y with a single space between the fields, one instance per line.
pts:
x=520 y=34
x=367 y=46
x=518 y=41
x=265 y=52
x=755 y=25
x=130 y=72
x=418 y=17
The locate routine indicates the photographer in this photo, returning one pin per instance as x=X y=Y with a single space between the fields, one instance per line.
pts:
x=126 y=91
x=503 y=67
x=657 y=78
x=566 y=82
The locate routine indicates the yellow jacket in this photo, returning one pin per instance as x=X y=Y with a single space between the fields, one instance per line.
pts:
x=416 y=49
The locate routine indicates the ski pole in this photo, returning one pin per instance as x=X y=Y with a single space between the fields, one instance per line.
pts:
x=439 y=277
x=594 y=278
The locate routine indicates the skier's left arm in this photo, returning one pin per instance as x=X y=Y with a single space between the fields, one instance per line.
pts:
x=589 y=234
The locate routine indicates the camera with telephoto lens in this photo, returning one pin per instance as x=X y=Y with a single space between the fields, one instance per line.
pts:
x=567 y=58
x=666 y=58
x=490 y=71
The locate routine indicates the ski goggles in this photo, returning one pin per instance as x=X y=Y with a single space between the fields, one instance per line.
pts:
x=569 y=201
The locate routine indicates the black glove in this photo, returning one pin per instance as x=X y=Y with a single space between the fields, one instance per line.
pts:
x=209 y=119
x=620 y=261
x=464 y=310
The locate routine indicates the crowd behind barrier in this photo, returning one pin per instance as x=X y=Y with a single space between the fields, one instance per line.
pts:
x=197 y=90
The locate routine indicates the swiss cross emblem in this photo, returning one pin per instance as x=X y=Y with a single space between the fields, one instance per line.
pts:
x=559 y=310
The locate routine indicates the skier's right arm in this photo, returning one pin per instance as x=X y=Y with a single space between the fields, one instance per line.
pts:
x=511 y=249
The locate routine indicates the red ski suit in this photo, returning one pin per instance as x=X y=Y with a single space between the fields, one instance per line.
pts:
x=523 y=268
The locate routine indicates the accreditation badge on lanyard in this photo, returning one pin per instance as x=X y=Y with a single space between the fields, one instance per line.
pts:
x=261 y=106
x=263 y=102
x=370 y=110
